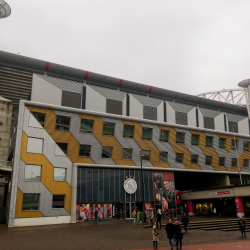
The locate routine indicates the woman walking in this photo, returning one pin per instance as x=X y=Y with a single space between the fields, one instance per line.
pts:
x=155 y=236
x=242 y=226
x=178 y=235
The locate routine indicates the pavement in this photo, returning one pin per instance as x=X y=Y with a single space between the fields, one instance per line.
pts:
x=112 y=234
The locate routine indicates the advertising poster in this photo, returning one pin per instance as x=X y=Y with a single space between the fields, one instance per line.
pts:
x=164 y=191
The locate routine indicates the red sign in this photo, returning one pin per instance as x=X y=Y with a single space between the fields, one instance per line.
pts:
x=223 y=192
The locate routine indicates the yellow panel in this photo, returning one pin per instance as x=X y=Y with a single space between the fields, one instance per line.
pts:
x=147 y=145
x=47 y=175
x=24 y=214
x=244 y=155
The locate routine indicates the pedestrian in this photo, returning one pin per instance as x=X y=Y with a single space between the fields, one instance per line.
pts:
x=155 y=236
x=178 y=235
x=170 y=230
x=140 y=217
x=144 y=217
x=96 y=214
x=158 y=219
x=134 y=216
x=185 y=221
x=151 y=216
x=242 y=226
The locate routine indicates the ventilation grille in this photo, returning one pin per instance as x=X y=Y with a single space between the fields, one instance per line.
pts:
x=230 y=126
x=181 y=118
x=208 y=122
x=149 y=113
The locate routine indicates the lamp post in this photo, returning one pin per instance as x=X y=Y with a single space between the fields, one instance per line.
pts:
x=142 y=181
x=236 y=151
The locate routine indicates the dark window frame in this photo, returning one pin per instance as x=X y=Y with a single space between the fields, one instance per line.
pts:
x=40 y=113
x=80 y=150
x=128 y=125
x=194 y=135
x=197 y=159
x=63 y=201
x=129 y=152
x=165 y=131
x=236 y=142
x=163 y=152
x=212 y=141
x=151 y=134
x=38 y=206
x=182 y=142
x=145 y=158
x=207 y=161
x=179 y=154
x=87 y=132
x=224 y=161
x=108 y=152
x=220 y=139
x=244 y=165
x=108 y=123
x=234 y=159
x=62 y=125
x=61 y=148
x=244 y=142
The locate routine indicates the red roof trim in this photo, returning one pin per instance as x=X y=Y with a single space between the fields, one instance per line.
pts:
x=176 y=95
x=150 y=89
x=46 y=66
x=86 y=75
x=120 y=84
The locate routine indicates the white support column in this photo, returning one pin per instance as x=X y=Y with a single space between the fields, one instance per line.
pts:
x=73 y=193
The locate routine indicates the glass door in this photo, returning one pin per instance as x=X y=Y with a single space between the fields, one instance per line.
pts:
x=130 y=207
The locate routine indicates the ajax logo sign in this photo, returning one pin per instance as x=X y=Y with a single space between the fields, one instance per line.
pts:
x=130 y=185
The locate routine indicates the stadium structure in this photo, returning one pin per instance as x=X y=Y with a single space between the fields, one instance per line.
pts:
x=5 y=9
x=84 y=144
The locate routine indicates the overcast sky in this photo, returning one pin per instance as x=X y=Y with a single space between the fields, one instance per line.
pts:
x=187 y=46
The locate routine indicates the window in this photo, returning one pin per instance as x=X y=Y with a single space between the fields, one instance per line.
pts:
x=127 y=153
x=128 y=131
x=246 y=163
x=107 y=152
x=62 y=123
x=208 y=122
x=163 y=157
x=209 y=141
x=195 y=139
x=245 y=146
x=180 y=137
x=30 y=202
x=147 y=133
x=234 y=162
x=145 y=155
x=32 y=173
x=114 y=107
x=84 y=150
x=233 y=144
x=181 y=118
x=233 y=127
x=35 y=145
x=40 y=117
x=179 y=157
x=58 y=201
x=108 y=128
x=59 y=174
x=194 y=159
x=221 y=161
x=86 y=126
x=63 y=147
x=150 y=113
x=164 y=135
x=208 y=160
x=222 y=142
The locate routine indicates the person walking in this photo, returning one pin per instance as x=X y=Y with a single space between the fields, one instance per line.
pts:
x=151 y=216
x=155 y=236
x=242 y=226
x=144 y=217
x=96 y=214
x=178 y=235
x=170 y=230
x=158 y=219
x=185 y=221
x=134 y=216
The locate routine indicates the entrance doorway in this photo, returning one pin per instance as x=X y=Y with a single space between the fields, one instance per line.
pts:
x=129 y=208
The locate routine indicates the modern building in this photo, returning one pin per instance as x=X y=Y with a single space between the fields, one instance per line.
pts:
x=85 y=142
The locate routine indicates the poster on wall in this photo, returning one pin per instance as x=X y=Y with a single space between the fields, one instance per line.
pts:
x=164 y=191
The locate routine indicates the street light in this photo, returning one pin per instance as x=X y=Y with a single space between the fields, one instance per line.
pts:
x=142 y=181
x=236 y=151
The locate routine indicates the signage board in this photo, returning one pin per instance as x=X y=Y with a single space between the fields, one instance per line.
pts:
x=130 y=185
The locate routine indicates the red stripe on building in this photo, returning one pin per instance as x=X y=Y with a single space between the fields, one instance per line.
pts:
x=120 y=84
x=86 y=75
x=221 y=104
x=46 y=66
x=242 y=109
x=150 y=89
x=200 y=100
x=176 y=95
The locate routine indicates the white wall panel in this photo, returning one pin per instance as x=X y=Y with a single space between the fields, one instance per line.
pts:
x=243 y=127
x=135 y=107
x=160 y=112
x=35 y=145
x=58 y=151
x=170 y=113
x=94 y=100
x=43 y=91
x=201 y=119
x=219 y=123
x=192 y=118
x=124 y=106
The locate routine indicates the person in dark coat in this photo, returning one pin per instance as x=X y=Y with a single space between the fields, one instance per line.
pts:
x=158 y=220
x=96 y=214
x=144 y=217
x=178 y=235
x=170 y=230
x=242 y=226
x=185 y=221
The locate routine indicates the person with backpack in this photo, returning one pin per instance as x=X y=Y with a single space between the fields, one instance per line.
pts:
x=242 y=226
x=178 y=235
x=185 y=221
x=170 y=230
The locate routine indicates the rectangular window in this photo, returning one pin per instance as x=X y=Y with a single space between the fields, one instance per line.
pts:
x=195 y=139
x=180 y=137
x=58 y=201
x=40 y=117
x=208 y=160
x=245 y=146
x=147 y=133
x=114 y=107
x=208 y=122
x=233 y=143
x=86 y=126
x=209 y=141
x=179 y=157
x=63 y=147
x=128 y=131
x=84 y=150
x=222 y=142
x=127 y=153
x=194 y=159
x=222 y=161
x=107 y=152
x=62 y=123
x=246 y=163
x=32 y=173
x=59 y=174
x=164 y=135
x=233 y=127
x=108 y=128
x=30 y=202
x=181 y=118
x=234 y=162
x=163 y=157
x=145 y=155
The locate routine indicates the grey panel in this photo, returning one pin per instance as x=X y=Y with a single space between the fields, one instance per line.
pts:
x=147 y=101
x=181 y=118
x=181 y=107
x=70 y=99
x=208 y=122
x=32 y=187
x=235 y=118
x=230 y=127
x=150 y=113
x=209 y=112
x=114 y=107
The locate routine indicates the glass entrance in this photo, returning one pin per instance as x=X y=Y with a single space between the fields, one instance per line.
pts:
x=130 y=207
